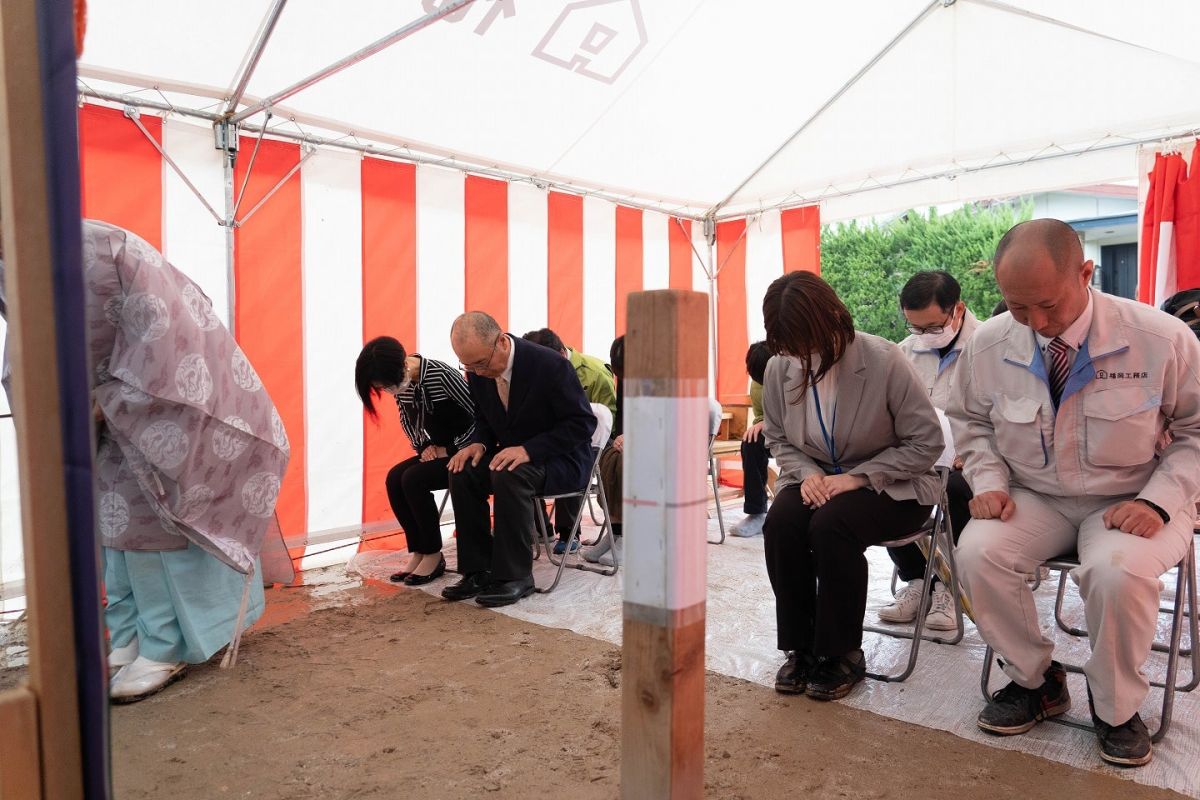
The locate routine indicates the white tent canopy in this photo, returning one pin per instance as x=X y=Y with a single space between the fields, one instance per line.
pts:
x=694 y=106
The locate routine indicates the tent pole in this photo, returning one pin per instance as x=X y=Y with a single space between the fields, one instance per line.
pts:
x=359 y=55
x=227 y=143
x=847 y=86
x=254 y=54
x=134 y=115
x=710 y=236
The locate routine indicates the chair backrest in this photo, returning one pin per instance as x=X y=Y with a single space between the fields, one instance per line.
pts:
x=946 y=459
x=604 y=423
x=715 y=412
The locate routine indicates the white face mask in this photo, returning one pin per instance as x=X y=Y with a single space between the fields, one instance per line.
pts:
x=936 y=341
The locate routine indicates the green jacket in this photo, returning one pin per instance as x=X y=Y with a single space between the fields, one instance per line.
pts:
x=756 y=402
x=596 y=379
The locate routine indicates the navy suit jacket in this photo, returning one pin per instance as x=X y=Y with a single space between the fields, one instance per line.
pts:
x=548 y=414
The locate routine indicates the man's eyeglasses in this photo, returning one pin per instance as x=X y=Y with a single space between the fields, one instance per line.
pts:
x=478 y=365
x=932 y=330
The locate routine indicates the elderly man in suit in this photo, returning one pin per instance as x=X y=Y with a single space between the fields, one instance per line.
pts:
x=533 y=429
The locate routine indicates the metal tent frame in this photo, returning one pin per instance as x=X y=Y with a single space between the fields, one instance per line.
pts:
x=230 y=122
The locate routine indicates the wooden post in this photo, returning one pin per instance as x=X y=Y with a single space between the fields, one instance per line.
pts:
x=46 y=715
x=20 y=772
x=666 y=455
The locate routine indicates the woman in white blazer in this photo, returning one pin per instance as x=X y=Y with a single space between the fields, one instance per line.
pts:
x=855 y=437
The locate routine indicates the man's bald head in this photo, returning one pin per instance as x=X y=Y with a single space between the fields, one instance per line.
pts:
x=480 y=344
x=1051 y=237
x=474 y=324
x=1042 y=275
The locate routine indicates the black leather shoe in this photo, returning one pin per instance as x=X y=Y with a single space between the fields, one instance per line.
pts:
x=792 y=677
x=835 y=676
x=505 y=593
x=1125 y=745
x=421 y=580
x=1015 y=709
x=468 y=587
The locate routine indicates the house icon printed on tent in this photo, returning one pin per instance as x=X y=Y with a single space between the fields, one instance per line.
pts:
x=595 y=38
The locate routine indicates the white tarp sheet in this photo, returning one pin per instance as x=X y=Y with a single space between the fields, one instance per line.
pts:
x=943 y=693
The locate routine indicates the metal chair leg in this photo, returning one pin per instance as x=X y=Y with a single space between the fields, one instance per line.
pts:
x=606 y=533
x=712 y=472
x=544 y=536
x=1185 y=584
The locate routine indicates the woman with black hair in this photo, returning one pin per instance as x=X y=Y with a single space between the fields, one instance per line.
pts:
x=439 y=418
x=856 y=437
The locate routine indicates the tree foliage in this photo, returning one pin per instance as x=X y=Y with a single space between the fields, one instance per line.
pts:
x=868 y=265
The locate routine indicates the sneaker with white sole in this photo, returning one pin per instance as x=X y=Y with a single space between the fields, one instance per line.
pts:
x=941 y=616
x=904 y=606
x=750 y=525
x=142 y=678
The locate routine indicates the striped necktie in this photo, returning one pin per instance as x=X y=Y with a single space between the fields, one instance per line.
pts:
x=1058 y=367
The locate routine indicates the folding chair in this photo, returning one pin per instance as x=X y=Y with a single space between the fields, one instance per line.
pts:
x=713 y=474
x=940 y=534
x=1183 y=584
x=542 y=529
x=1189 y=582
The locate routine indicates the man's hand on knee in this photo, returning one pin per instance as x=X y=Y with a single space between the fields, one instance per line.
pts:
x=509 y=458
x=471 y=453
x=992 y=505
x=1130 y=516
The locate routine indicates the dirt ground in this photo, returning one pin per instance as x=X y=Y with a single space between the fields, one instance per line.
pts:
x=399 y=694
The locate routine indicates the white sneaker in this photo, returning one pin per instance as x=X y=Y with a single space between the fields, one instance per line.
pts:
x=904 y=607
x=941 y=611
x=122 y=656
x=142 y=678
x=751 y=525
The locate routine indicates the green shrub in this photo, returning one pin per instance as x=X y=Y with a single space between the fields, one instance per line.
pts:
x=868 y=265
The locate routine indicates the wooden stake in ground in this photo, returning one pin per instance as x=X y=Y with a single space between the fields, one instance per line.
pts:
x=666 y=455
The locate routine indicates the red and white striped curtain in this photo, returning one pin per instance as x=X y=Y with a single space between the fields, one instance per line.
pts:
x=351 y=248
x=1170 y=237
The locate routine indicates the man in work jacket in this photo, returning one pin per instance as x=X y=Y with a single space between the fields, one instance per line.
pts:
x=939 y=325
x=1056 y=410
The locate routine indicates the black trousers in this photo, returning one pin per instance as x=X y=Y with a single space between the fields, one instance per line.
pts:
x=509 y=552
x=565 y=511
x=754 y=476
x=410 y=487
x=909 y=561
x=817 y=568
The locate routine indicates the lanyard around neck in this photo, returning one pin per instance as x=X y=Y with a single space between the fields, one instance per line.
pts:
x=827 y=433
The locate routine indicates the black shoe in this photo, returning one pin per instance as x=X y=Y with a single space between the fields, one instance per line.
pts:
x=421 y=580
x=1015 y=709
x=792 y=677
x=1125 y=745
x=835 y=676
x=398 y=577
x=505 y=593
x=468 y=587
